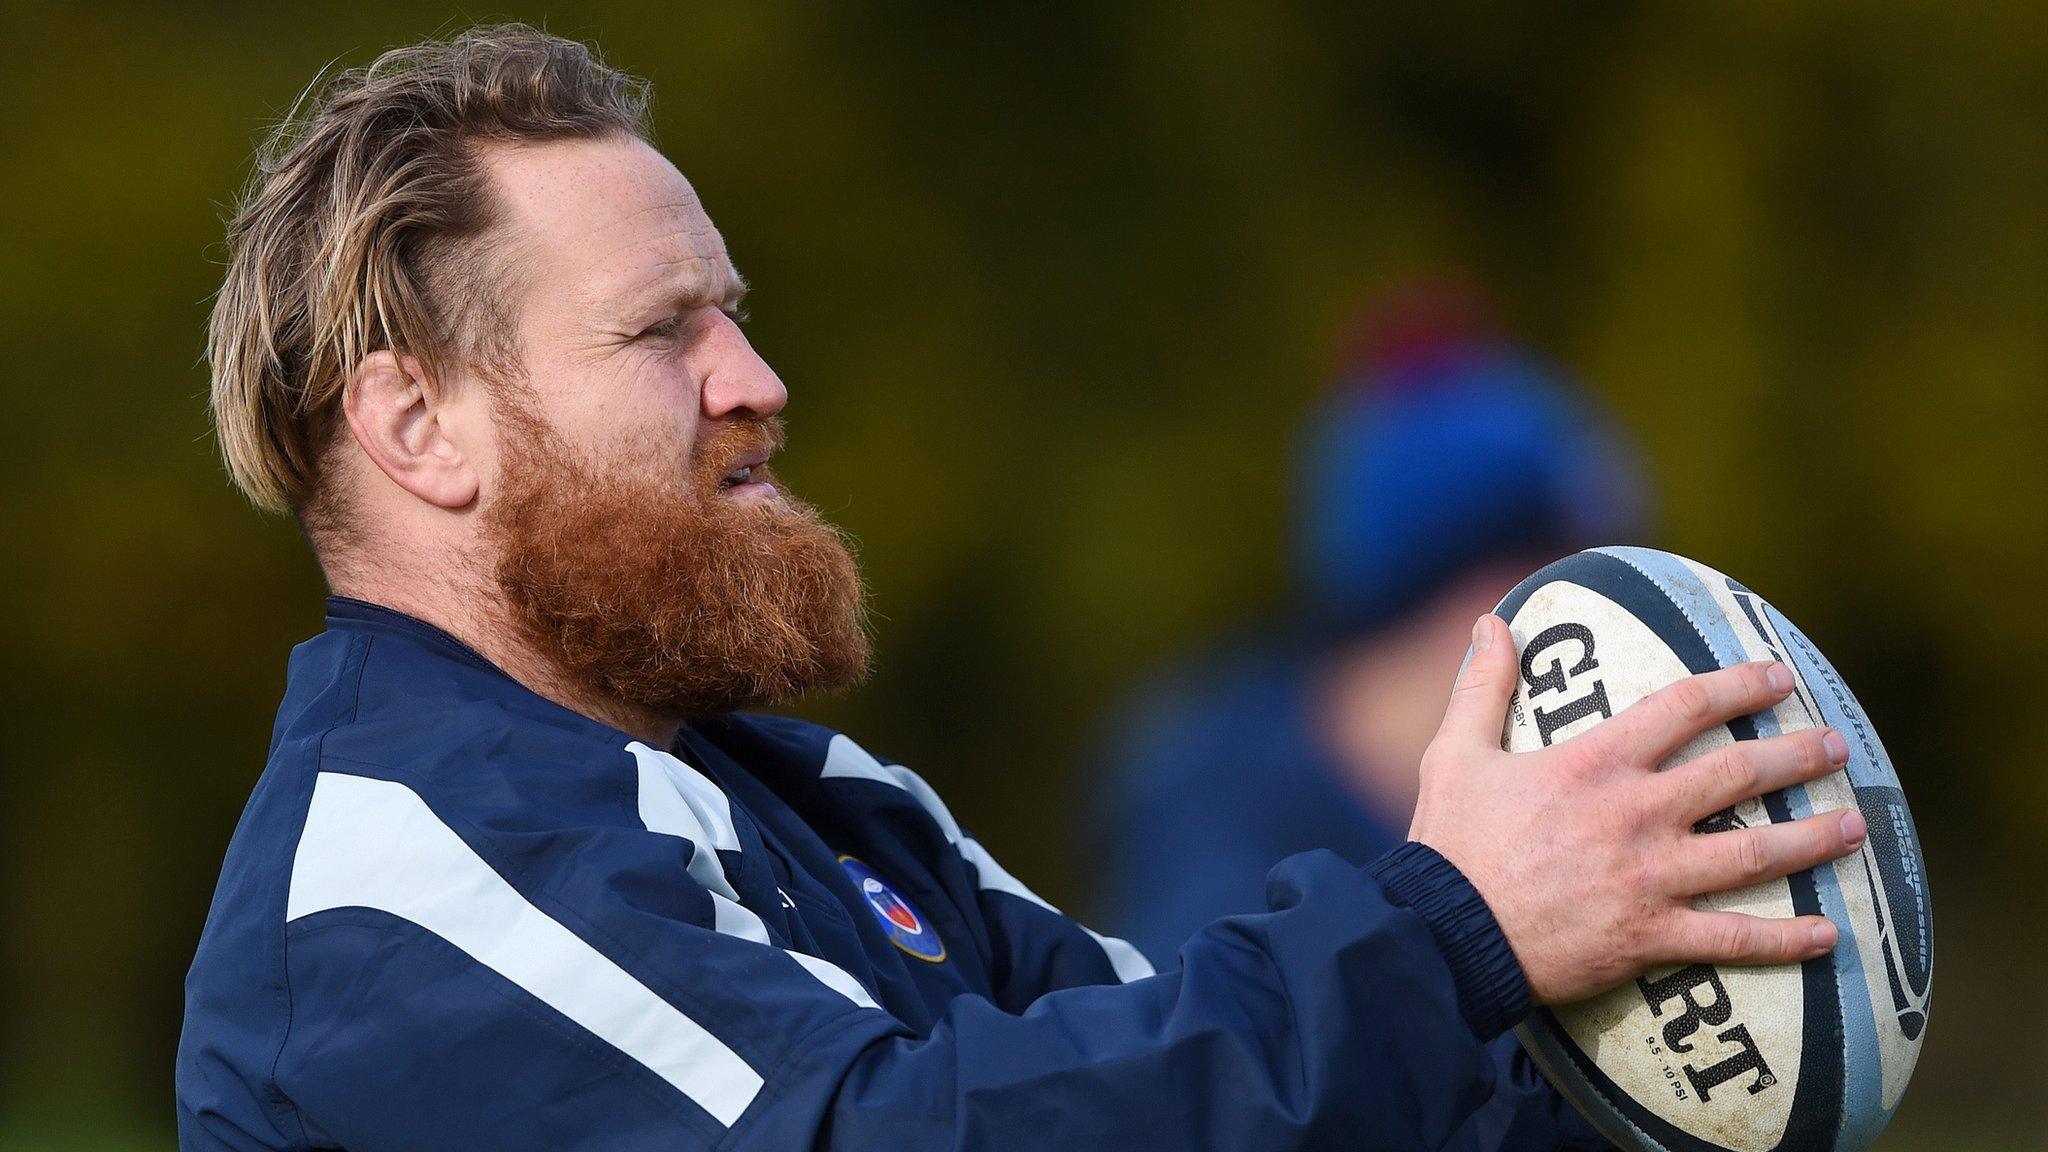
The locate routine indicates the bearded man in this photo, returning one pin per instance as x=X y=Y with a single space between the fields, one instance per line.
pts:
x=520 y=874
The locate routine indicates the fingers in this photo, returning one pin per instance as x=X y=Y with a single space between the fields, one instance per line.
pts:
x=1724 y=860
x=1733 y=938
x=1659 y=724
x=1479 y=702
x=1749 y=768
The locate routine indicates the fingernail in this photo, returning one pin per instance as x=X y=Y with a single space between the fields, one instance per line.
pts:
x=1780 y=678
x=1836 y=747
x=1823 y=937
x=1482 y=634
x=1853 y=828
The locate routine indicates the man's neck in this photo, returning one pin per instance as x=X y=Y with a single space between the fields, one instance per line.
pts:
x=473 y=616
x=1378 y=701
x=1374 y=714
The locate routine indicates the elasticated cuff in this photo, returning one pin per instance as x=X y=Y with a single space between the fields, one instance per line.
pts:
x=1493 y=995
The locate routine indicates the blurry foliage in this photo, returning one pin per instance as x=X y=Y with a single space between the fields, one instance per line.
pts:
x=1050 y=284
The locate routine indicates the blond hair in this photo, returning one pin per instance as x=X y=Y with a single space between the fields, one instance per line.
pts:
x=361 y=231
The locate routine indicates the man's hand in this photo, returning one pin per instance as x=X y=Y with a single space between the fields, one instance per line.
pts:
x=1585 y=852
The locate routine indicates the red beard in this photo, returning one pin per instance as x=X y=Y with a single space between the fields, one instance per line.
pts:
x=656 y=590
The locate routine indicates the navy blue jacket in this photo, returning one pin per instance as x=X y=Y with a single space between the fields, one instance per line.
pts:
x=456 y=915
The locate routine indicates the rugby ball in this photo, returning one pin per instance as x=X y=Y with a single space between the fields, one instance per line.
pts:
x=1810 y=1057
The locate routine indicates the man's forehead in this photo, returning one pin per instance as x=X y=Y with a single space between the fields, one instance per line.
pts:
x=612 y=213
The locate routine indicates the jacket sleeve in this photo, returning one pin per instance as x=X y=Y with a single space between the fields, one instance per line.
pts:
x=1038 y=950
x=1040 y=953
x=1525 y=1111
x=447 y=991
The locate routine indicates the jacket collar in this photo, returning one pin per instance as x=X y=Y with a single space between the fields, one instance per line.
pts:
x=346 y=612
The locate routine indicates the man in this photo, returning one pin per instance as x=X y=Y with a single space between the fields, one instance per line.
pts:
x=1445 y=464
x=519 y=876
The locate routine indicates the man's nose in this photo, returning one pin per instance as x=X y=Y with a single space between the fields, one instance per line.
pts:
x=740 y=382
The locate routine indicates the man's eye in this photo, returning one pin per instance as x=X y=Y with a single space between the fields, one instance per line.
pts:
x=662 y=330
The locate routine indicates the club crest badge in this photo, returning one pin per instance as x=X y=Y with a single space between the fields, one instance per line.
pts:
x=907 y=930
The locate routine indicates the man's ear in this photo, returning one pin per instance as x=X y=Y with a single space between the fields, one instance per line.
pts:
x=399 y=420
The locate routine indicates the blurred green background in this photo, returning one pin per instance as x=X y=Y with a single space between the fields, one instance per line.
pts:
x=1050 y=284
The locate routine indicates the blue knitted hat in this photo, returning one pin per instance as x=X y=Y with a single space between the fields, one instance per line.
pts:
x=1442 y=447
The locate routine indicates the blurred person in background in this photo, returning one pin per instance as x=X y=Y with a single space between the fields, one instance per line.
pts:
x=1446 y=463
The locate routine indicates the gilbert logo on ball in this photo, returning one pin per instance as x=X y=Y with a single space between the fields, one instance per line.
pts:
x=906 y=929
x=1700 y=1057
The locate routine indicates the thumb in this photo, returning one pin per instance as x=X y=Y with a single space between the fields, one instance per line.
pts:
x=1479 y=701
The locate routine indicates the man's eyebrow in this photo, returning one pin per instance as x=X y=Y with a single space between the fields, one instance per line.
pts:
x=722 y=288
x=736 y=289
